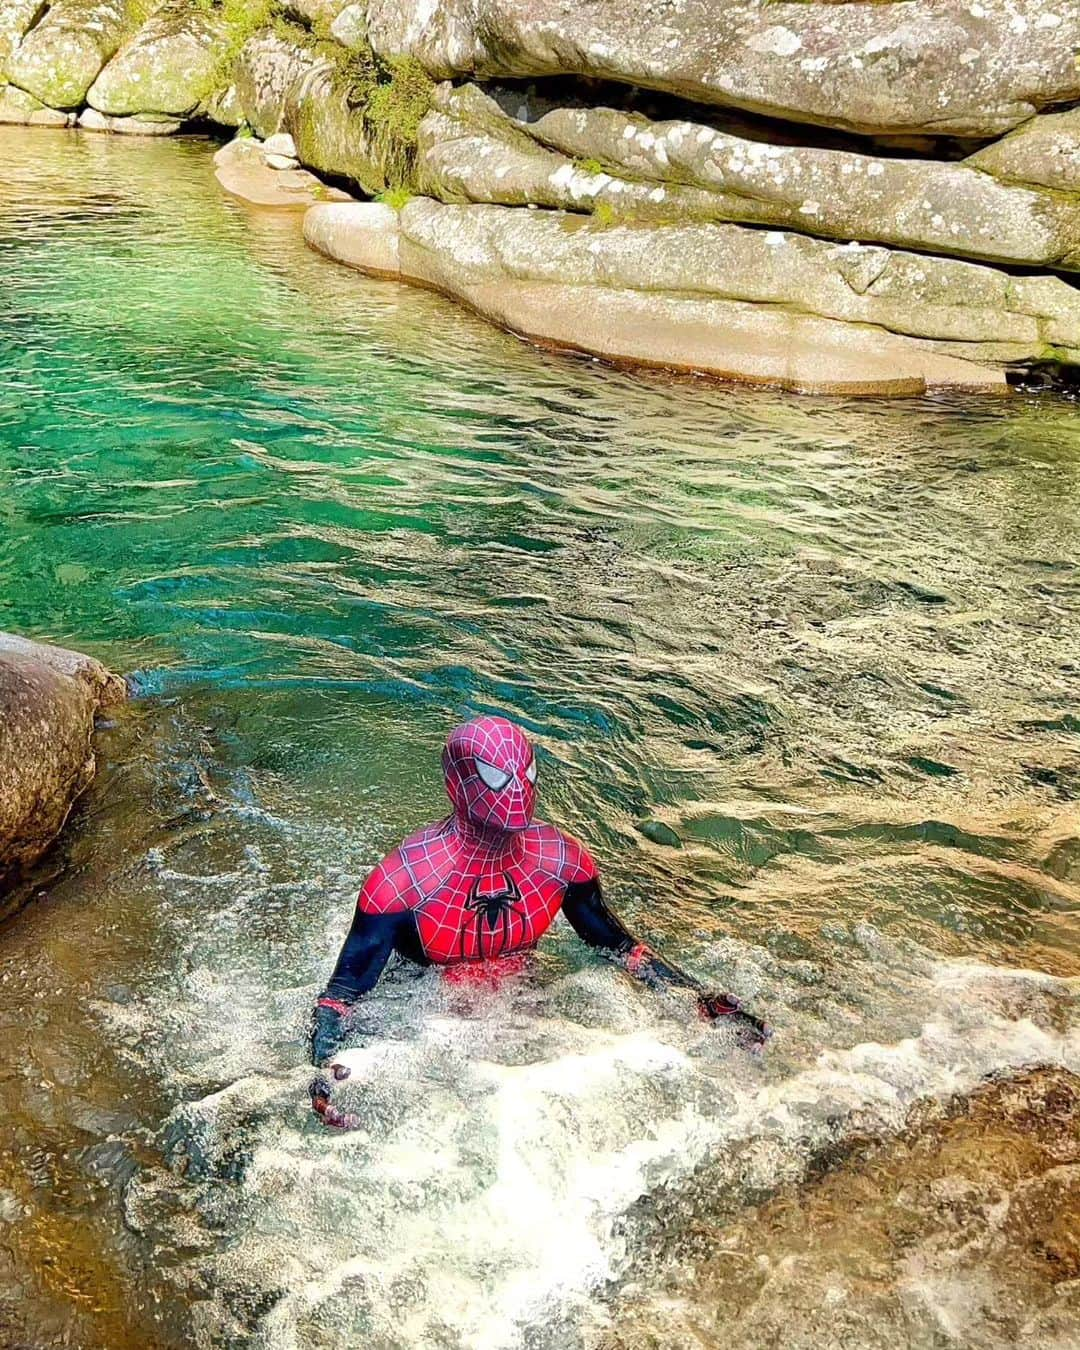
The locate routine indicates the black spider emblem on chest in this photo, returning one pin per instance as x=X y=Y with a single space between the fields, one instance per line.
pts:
x=493 y=910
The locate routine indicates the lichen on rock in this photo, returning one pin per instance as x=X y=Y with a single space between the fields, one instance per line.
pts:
x=574 y=158
x=946 y=67
x=59 y=58
x=168 y=66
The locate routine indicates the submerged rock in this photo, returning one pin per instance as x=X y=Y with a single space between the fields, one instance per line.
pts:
x=962 y=1231
x=759 y=305
x=49 y=698
x=59 y=58
x=946 y=67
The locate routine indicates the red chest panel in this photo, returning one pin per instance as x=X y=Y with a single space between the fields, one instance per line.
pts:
x=487 y=912
x=472 y=901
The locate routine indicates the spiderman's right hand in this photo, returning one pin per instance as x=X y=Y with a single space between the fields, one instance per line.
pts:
x=327 y=1029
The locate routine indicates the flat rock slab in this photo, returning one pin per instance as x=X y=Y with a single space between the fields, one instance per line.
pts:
x=661 y=298
x=242 y=169
x=49 y=698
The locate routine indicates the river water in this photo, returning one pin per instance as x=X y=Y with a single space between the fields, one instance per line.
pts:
x=804 y=673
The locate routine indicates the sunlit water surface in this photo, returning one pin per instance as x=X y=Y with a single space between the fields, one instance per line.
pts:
x=804 y=673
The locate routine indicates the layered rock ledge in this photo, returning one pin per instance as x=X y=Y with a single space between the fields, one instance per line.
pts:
x=49 y=700
x=768 y=306
x=850 y=196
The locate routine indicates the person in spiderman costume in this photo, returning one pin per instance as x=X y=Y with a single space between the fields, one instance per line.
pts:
x=484 y=885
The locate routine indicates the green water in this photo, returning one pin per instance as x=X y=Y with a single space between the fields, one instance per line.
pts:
x=805 y=673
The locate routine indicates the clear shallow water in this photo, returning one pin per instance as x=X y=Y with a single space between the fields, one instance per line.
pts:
x=804 y=673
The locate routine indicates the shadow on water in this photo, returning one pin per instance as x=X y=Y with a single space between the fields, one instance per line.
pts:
x=804 y=673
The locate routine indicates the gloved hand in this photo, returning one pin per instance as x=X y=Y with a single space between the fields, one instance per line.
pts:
x=327 y=1029
x=321 y=1092
x=713 y=1007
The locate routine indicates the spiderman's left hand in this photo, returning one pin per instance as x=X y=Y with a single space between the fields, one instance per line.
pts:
x=717 y=1007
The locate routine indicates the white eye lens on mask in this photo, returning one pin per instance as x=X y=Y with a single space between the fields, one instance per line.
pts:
x=530 y=772
x=493 y=777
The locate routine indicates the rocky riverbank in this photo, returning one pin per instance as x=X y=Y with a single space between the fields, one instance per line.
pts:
x=49 y=700
x=846 y=197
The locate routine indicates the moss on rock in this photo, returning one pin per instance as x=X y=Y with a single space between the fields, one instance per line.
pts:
x=60 y=57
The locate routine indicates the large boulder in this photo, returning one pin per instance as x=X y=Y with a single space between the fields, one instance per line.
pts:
x=764 y=306
x=168 y=67
x=578 y=158
x=49 y=698
x=59 y=58
x=269 y=77
x=944 y=67
x=1045 y=150
x=16 y=16
x=286 y=83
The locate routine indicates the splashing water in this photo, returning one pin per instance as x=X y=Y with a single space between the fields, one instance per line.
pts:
x=803 y=673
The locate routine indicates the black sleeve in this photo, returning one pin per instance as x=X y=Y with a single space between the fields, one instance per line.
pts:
x=370 y=942
x=594 y=923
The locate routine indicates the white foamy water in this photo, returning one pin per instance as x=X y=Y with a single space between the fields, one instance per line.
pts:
x=507 y=1135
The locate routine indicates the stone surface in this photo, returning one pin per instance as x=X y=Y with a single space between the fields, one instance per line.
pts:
x=92 y=120
x=283 y=85
x=964 y=1232
x=49 y=698
x=59 y=59
x=280 y=144
x=329 y=131
x=940 y=66
x=362 y=235
x=269 y=76
x=16 y=16
x=473 y=151
x=314 y=11
x=721 y=299
x=167 y=67
x=223 y=107
x=19 y=108
x=242 y=170
x=1045 y=150
x=350 y=27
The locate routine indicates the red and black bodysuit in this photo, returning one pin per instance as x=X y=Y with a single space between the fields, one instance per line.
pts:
x=484 y=884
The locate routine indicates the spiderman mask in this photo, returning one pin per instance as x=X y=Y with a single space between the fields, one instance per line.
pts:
x=490 y=775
